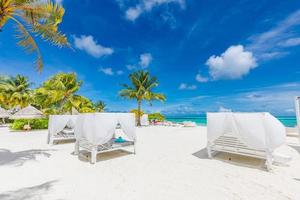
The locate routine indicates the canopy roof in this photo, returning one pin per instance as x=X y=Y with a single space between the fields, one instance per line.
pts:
x=29 y=112
x=4 y=113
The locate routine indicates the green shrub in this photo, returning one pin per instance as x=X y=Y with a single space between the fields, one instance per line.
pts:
x=156 y=116
x=18 y=124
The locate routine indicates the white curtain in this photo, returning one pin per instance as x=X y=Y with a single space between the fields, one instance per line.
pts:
x=257 y=130
x=99 y=128
x=57 y=123
x=127 y=121
x=144 y=120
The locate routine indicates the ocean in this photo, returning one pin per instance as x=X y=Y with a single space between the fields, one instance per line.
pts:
x=288 y=121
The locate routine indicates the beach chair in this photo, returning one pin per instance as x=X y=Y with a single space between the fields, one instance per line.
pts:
x=95 y=133
x=248 y=134
x=297 y=109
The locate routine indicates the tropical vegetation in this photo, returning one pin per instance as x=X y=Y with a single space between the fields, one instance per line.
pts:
x=141 y=88
x=57 y=95
x=15 y=91
x=34 y=18
x=19 y=124
x=156 y=116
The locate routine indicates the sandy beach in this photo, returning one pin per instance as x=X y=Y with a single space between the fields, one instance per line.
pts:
x=171 y=163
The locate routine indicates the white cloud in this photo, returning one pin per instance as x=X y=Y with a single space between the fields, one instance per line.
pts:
x=145 y=60
x=109 y=71
x=290 y=42
x=234 y=63
x=90 y=46
x=134 y=12
x=184 y=86
x=131 y=67
x=222 y=109
x=201 y=79
x=281 y=36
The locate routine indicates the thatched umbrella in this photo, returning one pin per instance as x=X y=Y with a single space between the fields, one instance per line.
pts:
x=4 y=114
x=29 y=112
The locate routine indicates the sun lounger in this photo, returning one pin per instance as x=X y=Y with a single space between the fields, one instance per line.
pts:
x=249 y=134
x=95 y=133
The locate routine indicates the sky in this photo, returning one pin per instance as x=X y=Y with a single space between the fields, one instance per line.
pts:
x=239 y=55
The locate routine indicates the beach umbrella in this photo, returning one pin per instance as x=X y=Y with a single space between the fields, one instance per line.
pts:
x=28 y=112
x=4 y=114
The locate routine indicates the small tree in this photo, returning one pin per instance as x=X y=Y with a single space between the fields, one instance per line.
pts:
x=141 y=89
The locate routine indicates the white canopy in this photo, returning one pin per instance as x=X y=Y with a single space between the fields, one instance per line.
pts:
x=144 y=120
x=29 y=112
x=4 y=113
x=257 y=130
x=99 y=128
x=58 y=122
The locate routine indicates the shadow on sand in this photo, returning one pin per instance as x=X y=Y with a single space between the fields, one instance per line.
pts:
x=29 y=193
x=233 y=159
x=104 y=156
x=20 y=157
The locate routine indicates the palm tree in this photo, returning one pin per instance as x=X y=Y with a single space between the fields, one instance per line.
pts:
x=57 y=91
x=99 y=106
x=15 y=91
x=80 y=103
x=34 y=17
x=141 y=88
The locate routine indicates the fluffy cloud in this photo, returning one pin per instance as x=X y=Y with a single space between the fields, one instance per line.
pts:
x=134 y=12
x=234 y=63
x=184 y=86
x=145 y=60
x=201 y=79
x=90 y=46
x=109 y=71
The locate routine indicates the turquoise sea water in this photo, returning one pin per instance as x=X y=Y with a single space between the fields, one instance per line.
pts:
x=288 y=121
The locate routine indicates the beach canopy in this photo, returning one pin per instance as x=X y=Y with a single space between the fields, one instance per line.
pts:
x=57 y=123
x=260 y=131
x=28 y=112
x=144 y=120
x=99 y=128
x=4 y=113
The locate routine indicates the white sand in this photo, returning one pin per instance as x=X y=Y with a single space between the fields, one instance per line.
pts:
x=171 y=163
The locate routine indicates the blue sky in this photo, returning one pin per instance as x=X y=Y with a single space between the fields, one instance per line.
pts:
x=208 y=55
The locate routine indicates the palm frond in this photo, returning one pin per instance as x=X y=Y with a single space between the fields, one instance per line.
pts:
x=28 y=43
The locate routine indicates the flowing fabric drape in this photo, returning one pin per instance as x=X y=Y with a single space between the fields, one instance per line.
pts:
x=257 y=130
x=99 y=128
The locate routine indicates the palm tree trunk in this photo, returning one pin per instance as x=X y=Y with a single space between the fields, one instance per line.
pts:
x=139 y=112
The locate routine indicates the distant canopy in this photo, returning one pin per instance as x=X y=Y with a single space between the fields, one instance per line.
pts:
x=4 y=113
x=29 y=112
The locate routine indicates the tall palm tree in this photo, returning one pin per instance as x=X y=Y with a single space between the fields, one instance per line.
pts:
x=141 y=88
x=58 y=90
x=15 y=91
x=99 y=106
x=34 y=17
